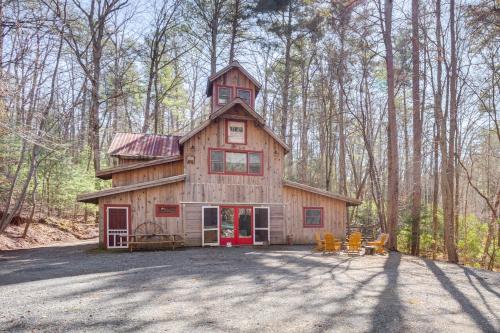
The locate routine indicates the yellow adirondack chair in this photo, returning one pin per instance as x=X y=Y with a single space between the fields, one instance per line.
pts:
x=320 y=243
x=379 y=243
x=331 y=244
x=354 y=244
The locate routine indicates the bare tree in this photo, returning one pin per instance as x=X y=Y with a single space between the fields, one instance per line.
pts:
x=96 y=14
x=392 y=138
x=417 y=133
x=160 y=54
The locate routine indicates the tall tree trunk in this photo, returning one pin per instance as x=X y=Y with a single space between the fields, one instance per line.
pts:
x=449 y=219
x=235 y=22
x=287 y=73
x=392 y=135
x=213 y=38
x=304 y=128
x=435 y=191
x=417 y=134
x=344 y=21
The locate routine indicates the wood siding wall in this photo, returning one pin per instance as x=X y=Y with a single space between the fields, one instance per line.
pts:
x=204 y=187
x=334 y=214
x=148 y=173
x=235 y=79
x=143 y=207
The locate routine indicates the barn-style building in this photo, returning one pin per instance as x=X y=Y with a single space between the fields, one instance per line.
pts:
x=221 y=183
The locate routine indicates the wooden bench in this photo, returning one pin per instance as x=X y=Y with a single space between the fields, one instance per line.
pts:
x=172 y=241
x=149 y=234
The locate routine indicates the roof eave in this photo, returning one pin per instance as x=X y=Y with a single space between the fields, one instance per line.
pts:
x=108 y=173
x=308 y=188
x=93 y=197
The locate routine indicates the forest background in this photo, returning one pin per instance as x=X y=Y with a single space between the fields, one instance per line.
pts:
x=391 y=102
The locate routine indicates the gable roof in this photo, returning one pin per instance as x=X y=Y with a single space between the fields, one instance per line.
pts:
x=107 y=173
x=304 y=187
x=234 y=64
x=243 y=104
x=93 y=196
x=227 y=107
x=140 y=145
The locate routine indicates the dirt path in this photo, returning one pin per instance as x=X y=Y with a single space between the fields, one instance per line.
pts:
x=280 y=289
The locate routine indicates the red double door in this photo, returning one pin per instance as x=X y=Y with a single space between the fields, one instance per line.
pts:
x=236 y=225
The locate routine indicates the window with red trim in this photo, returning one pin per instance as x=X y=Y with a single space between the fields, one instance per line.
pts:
x=236 y=162
x=236 y=131
x=223 y=95
x=313 y=217
x=167 y=210
x=245 y=95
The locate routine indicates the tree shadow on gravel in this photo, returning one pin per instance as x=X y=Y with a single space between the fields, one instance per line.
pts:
x=458 y=296
x=387 y=316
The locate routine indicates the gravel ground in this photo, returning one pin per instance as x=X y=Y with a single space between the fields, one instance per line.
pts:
x=279 y=289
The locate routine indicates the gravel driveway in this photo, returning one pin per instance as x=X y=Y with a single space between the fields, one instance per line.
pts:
x=279 y=289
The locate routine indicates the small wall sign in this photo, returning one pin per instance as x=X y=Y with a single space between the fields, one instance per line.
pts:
x=167 y=210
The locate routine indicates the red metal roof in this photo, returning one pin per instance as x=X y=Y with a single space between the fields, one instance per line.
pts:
x=144 y=145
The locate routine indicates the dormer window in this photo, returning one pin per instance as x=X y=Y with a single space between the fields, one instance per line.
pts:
x=224 y=95
x=245 y=95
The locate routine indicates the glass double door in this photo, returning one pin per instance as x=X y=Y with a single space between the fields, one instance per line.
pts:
x=236 y=225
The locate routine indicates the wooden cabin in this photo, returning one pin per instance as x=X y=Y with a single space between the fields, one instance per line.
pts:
x=221 y=183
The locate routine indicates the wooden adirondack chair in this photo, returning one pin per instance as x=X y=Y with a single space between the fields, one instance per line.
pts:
x=320 y=243
x=331 y=244
x=379 y=243
x=354 y=244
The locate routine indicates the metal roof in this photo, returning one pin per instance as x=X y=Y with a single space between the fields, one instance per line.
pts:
x=140 y=145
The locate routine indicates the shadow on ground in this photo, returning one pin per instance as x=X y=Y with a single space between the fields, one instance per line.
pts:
x=244 y=289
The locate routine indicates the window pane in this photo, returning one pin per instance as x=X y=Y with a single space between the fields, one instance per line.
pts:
x=244 y=95
x=210 y=236
x=261 y=217
x=313 y=216
x=236 y=162
x=216 y=161
x=254 y=163
x=261 y=235
x=227 y=223
x=245 y=222
x=210 y=217
x=224 y=95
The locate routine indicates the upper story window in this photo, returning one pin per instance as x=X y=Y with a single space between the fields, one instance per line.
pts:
x=245 y=95
x=236 y=162
x=224 y=95
x=313 y=217
x=236 y=131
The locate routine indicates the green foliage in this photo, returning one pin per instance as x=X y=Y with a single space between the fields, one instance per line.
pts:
x=472 y=233
x=64 y=177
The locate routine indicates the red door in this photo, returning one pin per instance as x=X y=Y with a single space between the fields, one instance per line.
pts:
x=117 y=227
x=236 y=225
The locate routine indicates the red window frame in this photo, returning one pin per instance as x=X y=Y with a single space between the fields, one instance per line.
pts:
x=305 y=225
x=226 y=132
x=158 y=213
x=224 y=150
x=231 y=93
x=246 y=89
